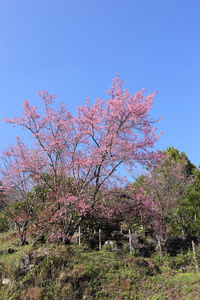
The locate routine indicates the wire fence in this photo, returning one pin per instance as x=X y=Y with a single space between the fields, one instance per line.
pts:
x=177 y=243
x=100 y=238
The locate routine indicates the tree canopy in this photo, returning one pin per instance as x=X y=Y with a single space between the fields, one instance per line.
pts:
x=88 y=148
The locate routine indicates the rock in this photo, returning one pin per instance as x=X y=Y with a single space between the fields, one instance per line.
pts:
x=75 y=237
x=152 y=240
x=25 y=264
x=111 y=244
x=31 y=258
x=41 y=252
x=6 y=281
x=138 y=243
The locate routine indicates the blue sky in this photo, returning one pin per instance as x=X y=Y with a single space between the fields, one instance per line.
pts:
x=74 y=48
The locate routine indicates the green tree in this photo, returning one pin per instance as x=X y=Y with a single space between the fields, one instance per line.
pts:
x=177 y=157
x=188 y=214
x=174 y=187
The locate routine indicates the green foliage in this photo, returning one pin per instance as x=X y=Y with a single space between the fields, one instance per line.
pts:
x=176 y=156
x=4 y=224
x=187 y=215
x=175 y=186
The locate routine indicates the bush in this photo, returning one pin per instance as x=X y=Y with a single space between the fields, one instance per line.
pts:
x=4 y=225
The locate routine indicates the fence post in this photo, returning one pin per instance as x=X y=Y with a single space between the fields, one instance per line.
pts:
x=79 y=235
x=195 y=259
x=159 y=245
x=99 y=239
x=130 y=242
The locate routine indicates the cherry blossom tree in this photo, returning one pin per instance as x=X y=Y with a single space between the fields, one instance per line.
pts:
x=87 y=149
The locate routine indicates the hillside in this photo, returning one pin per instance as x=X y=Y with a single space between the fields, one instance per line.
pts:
x=76 y=272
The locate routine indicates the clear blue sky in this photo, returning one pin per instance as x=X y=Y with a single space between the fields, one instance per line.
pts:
x=74 y=48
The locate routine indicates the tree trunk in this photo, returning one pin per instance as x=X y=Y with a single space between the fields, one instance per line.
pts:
x=69 y=231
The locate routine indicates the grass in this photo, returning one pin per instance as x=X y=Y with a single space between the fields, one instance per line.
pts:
x=73 y=273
